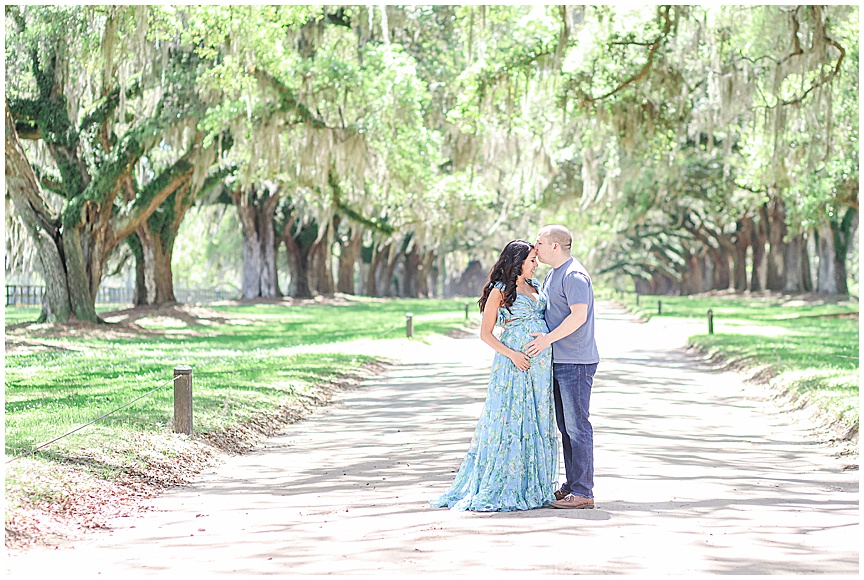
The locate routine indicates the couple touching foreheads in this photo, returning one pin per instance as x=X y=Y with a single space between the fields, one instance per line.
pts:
x=512 y=462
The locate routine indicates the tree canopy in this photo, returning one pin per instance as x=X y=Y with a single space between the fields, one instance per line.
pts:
x=690 y=148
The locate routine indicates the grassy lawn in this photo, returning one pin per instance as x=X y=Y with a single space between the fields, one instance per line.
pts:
x=240 y=357
x=245 y=366
x=19 y=314
x=808 y=345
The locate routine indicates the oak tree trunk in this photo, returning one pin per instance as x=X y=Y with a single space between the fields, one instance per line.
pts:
x=379 y=259
x=833 y=240
x=348 y=259
x=693 y=277
x=154 y=282
x=660 y=284
x=103 y=206
x=67 y=291
x=721 y=277
x=153 y=243
x=412 y=273
x=298 y=264
x=388 y=285
x=438 y=275
x=425 y=274
x=759 y=237
x=741 y=241
x=320 y=258
x=256 y=208
x=776 y=267
x=298 y=246
x=826 y=276
x=844 y=233
x=797 y=266
x=41 y=224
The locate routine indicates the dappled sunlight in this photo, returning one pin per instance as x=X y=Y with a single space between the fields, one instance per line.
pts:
x=305 y=202
x=691 y=476
x=741 y=327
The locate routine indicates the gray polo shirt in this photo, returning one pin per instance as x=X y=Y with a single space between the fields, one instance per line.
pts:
x=566 y=285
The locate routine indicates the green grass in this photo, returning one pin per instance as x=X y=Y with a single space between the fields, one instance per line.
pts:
x=246 y=366
x=809 y=346
x=18 y=314
x=241 y=359
x=734 y=306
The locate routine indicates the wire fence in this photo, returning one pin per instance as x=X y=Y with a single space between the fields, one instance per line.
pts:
x=160 y=386
x=99 y=418
x=31 y=295
x=199 y=375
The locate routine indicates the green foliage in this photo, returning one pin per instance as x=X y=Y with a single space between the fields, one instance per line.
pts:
x=114 y=117
x=107 y=105
x=652 y=130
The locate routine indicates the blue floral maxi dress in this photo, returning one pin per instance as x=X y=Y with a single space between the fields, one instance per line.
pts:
x=512 y=462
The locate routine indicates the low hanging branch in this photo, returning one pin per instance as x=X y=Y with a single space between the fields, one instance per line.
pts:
x=352 y=214
x=153 y=194
x=796 y=40
x=46 y=118
x=653 y=46
x=108 y=104
x=288 y=102
x=798 y=51
x=823 y=79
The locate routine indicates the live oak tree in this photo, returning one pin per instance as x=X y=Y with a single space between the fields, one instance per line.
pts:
x=95 y=131
x=691 y=147
x=327 y=116
x=744 y=86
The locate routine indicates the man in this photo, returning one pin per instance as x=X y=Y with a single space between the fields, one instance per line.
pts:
x=570 y=318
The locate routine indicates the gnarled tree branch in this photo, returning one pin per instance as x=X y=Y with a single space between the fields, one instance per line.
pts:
x=653 y=46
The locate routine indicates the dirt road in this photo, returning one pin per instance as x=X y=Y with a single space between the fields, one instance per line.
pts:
x=692 y=476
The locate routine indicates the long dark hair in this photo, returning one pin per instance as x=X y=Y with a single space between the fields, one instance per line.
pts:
x=506 y=270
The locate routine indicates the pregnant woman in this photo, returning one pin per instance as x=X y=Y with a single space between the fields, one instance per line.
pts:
x=512 y=461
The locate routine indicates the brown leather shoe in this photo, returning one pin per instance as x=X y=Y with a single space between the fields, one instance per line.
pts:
x=560 y=494
x=574 y=502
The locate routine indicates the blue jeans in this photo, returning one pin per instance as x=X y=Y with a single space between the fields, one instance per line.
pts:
x=572 y=388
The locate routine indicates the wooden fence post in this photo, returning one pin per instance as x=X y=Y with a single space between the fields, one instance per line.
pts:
x=183 y=399
x=409 y=325
x=710 y=322
x=467 y=304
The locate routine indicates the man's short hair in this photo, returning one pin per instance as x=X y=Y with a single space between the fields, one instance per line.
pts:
x=558 y=235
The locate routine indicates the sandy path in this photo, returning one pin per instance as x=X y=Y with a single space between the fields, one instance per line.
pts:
x=692 y=477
